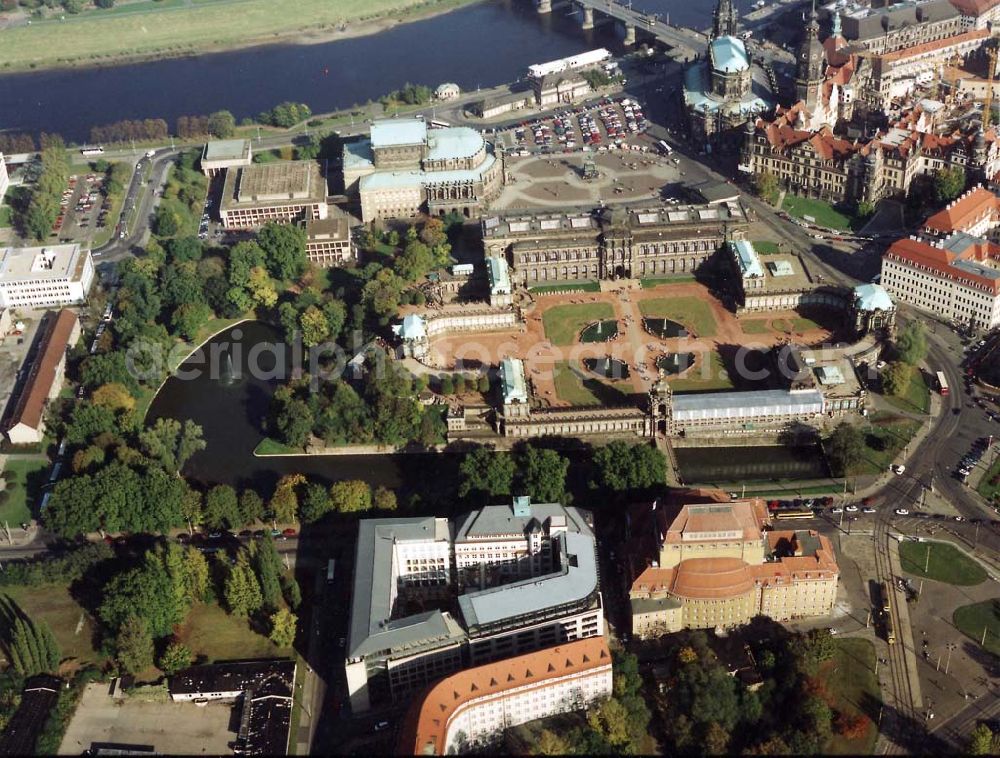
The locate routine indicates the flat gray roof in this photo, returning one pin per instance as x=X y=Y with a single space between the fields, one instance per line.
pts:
x=226 y=150
x=576 y=579
x=500 y=519
x=754 y=402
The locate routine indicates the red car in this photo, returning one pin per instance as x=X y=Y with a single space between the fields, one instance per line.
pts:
x=289 y=532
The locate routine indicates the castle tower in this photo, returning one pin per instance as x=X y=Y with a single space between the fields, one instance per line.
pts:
x=810 y=63
x=661 y=404
x=724 y=20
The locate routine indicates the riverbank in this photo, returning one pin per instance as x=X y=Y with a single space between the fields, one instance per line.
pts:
x=161 y=30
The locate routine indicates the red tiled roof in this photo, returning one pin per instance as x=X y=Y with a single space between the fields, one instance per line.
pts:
x=974 y=7
x=55 y=340
x=745 y=516
x=938 y=44
x=923 y=254
x=963 y=213
x=425 y=728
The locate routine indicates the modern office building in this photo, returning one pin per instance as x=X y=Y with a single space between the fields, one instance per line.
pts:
x=404 y=168
x=328 y=240
x=25 y=425
x=470 y=707
x=45 y=277
x=718 y=564
x=283 y=191
x=222 y=155
x=955 y=278
x=408 y=570
x=547 y=246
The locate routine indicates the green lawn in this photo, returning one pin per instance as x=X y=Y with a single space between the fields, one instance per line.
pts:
x=269 y=446
x=652 y=282
x=823 y=213
x=973 y=619
x=917 y=397
x=178 y=27
x=563 y=323
x=696 y=380
x=213 y=633
x=945 y=563
x=549 y=289
x=850 y=679
x=575 y=385
x=986 y=489
x=24 y=485
x=886 y=436
x=53 y=604
x=6 y=216
x=765 y=247
x=694 y=313
x=755 y=326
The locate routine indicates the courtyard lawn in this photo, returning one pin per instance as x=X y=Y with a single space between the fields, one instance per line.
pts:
x=853 y=687
x=917 y=397
x=765 y=247
x=25 y=477
x=945 y=563
x=577 y=386
x=53 y=604
x=563 y=323
x=693 y=312
x=886 y=436
x=213 y=633
x=6 y=216
x=973 y=620
x=550 y=289
x=271 y=446
x=173 y=27
x=824 y=213
x=652 y=282
x=697 y=380
x=755 y=326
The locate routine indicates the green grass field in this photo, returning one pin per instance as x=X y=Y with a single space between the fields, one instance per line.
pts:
x=213 y=633
x=550 y=289
x=945 y=563
x=652 y=282
x=6 y=216
x=917 y=397
x=974 y=619
x=883 y=441
x=174 y=27
x=850 y=679
x=755 y=326
x=697 y=380
x=26 y=477
x=269 y=446
x=53 y=604
x=575 y=385
x=824 y=213
x=765 y=247
x=563 y=323
x=987 y=490
x=694 y=313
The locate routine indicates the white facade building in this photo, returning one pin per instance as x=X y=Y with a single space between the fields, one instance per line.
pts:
x=45 y=277
x=955 y=278
x=473 y=705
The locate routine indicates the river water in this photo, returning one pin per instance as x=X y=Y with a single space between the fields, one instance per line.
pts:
x=480 y=45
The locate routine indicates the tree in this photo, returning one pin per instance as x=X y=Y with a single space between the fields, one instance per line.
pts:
x=221 y=509
x=134 y=645
x=385 y=499
x=267 y=565
x=222 y=124
x=197 y=576
x=845 y=448
x=621 y=467
x=251 y=507
x=176 y=656
x=284 y=247
x=283 y=624
x=351 y=496
x=949 y=183
x=285 y=500
x=542 y=475
x=981 y=741
x=172 y=443
x=188 y=318
x=315 y=326
x=766 y=186
x=851 y=726
x=865 y=209
x=716 y=740
x=290 y=589
x=550 y=743
x=145 y=591
x=241 y=591
x=114 y=396
x=610 y=719
x=293 y=420
x=261 y=288
x=911 y=343
x=896 y=378
x=166 y=222
x=487 y=473
x=315 y=503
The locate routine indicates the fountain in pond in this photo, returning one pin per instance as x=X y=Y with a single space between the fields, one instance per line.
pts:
x=664 y=328
x=227 y=375
x=601 y=331
x=607 y=368
x=675 y=363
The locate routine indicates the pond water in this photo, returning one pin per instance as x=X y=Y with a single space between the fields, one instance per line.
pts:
x=706 y=465
x=664 y=328
x=675 y=363
x=607 y=368
x=602 y=331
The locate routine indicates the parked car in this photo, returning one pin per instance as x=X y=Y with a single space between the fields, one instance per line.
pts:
x=902 y=512
x=868 y=510
x=289 y=532
x=851 y=509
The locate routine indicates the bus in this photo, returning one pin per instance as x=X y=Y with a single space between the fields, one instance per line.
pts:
x=331 y=566
x=667 y=150
x=890 y=630
x=93 y=150
x=942 y=384
x=883 y=591
x=794 y=513
x=437 y=124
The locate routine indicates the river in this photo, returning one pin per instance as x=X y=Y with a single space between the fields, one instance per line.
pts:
x=480 y=45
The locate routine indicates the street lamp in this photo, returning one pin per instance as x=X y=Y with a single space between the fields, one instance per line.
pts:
x=951 y=646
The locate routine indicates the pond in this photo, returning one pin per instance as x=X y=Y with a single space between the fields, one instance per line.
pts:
x=664 y=328
x=601 y=331
x=675 y=363
x=607 y=368
x=715 y=465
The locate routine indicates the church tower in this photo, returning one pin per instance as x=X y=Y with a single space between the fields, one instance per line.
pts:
x=810 y=63
x=724 y=20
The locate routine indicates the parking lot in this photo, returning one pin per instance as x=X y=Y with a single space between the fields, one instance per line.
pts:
x=169 y=728
x=83 y=208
